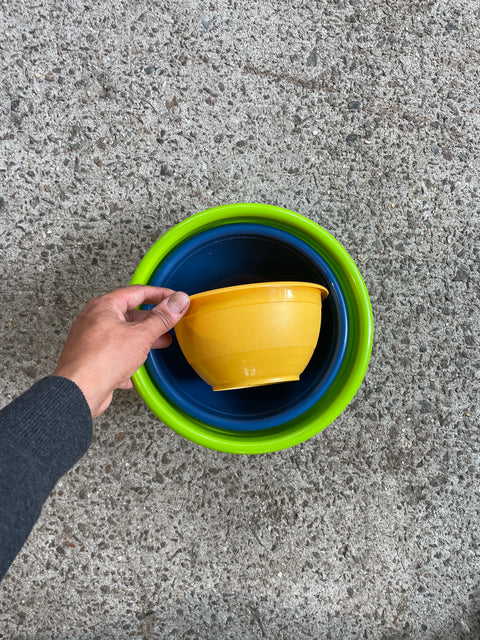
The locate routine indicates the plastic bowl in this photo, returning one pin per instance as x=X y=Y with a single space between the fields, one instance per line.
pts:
x=252 y=335
x=359 y=347
x=232 y=254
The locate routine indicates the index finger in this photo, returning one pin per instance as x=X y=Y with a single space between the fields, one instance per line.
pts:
x=128 y=298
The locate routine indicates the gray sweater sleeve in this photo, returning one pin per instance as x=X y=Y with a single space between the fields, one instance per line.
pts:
x=43 y=433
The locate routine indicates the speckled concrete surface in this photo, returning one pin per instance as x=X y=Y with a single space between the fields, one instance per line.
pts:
x=120 y=119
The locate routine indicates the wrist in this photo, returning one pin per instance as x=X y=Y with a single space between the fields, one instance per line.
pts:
x=87 y=388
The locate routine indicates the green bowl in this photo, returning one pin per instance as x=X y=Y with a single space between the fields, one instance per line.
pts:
x=357 y=356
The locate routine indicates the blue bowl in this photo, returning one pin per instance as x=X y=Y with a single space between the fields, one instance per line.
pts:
x=235 y=254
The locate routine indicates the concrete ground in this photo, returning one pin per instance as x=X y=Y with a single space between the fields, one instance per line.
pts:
x=120 y=119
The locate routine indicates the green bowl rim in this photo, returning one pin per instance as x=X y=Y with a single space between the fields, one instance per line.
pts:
x=291 y=433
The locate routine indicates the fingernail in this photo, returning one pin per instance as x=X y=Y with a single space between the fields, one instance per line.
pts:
x=178 y=302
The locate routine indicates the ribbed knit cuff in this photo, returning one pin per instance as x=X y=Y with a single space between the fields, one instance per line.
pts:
x=50 y=424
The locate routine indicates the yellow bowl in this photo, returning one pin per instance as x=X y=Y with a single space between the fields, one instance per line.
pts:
x=252 y=335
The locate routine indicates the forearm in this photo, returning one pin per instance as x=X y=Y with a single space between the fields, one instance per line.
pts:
x=43 y=433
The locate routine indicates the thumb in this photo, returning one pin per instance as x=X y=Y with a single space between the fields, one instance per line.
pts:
x=165 y=315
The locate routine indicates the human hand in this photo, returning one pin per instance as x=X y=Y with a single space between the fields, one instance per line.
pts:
x=111 y=339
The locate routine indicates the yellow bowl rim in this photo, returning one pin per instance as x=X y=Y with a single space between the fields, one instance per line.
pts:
x=261 y=285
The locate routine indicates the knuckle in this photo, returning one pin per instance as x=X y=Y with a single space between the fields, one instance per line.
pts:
x=92 y=304
x=163 y=317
